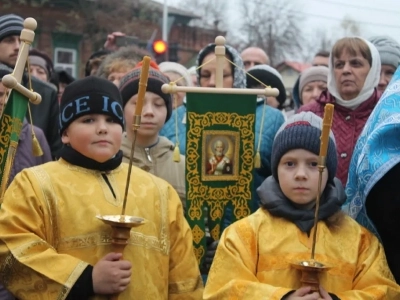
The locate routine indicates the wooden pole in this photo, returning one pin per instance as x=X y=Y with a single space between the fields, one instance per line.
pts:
x=220 y=58
x=173 y=88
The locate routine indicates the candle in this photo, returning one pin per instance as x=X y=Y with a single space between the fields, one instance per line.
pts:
x=326 y=127
x=144 y=75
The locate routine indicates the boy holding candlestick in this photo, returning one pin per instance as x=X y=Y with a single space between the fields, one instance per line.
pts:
x=52 y=246
x=258 y=250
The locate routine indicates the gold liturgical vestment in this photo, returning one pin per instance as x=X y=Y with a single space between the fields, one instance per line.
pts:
x=49 y=233
x=254 y=254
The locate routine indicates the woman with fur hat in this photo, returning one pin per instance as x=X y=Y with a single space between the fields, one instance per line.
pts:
x=153 y=153
x=95 y=60
x=118 y=63
x=354 y=70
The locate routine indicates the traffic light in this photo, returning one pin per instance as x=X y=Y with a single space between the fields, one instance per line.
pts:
x=160 y=51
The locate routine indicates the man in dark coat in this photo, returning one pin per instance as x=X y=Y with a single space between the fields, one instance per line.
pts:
x=45 y=114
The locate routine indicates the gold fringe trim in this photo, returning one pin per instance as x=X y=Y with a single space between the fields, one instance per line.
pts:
x=257 y=160
x=37 y=150
x=177 y=154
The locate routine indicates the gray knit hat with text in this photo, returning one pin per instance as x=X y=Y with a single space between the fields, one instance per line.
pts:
x=388 y=48
x=302 y=131
x=10 y=25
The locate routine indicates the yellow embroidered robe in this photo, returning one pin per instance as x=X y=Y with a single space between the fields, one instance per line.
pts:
x=49 y=233
x=254 y=254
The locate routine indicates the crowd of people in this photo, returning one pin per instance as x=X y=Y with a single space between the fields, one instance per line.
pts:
x=53 y=247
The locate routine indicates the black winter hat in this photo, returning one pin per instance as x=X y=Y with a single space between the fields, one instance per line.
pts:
x=91 y=95
x=64 y=76
x=10 y=25
x=303 y=131
x=129 y=85
x=269 y=76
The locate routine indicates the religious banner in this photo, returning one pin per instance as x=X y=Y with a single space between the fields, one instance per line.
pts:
x=11 y=118
x=219 y=162
x=10 y=128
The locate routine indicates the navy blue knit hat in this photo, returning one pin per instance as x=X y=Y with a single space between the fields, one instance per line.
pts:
x=91 y=95
x=303 y=131
x=10 y=25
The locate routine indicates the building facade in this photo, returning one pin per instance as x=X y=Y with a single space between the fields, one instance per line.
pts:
x=70 y=32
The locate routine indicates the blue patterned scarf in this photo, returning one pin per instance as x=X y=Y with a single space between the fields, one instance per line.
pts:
x=376 y=152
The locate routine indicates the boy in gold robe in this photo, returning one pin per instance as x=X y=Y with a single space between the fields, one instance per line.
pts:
x=52 y=246
x=254 y=256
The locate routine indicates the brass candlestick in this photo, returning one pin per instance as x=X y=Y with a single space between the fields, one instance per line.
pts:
x=310 y=269
x=121 y=229
x=122 y=224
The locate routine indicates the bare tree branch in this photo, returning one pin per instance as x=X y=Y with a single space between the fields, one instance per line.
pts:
x=213 y=13
x=350 y=27
x=319 y=41
x=274 y=26
x=324 y=40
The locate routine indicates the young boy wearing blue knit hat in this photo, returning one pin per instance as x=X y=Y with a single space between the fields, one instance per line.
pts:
x=258 y=250
x=51 y=243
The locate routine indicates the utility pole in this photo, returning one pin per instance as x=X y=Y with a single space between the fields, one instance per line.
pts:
x=165 y=26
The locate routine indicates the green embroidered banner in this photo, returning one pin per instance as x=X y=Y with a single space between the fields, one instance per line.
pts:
x=220 y=135
x=10 y=129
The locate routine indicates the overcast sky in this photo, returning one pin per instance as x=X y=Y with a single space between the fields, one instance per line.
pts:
x=374 y=17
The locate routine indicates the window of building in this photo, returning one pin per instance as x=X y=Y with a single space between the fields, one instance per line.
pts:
x=66 y=52
x=65 y=59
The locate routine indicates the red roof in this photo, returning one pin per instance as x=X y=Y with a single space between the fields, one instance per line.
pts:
x=298 y=66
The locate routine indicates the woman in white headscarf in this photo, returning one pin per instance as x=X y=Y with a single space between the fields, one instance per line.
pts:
x=354 y=71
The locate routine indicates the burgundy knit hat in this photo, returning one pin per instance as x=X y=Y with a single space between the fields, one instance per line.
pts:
x=130 y=85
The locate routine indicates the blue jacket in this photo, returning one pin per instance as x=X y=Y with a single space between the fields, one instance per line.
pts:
x=273 y=120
